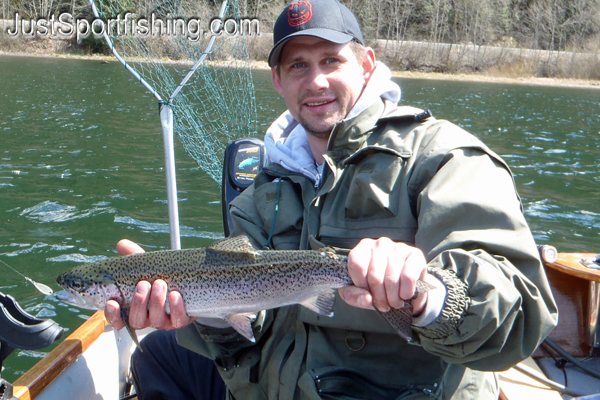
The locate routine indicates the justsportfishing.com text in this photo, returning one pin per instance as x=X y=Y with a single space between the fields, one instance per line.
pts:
x=193 y=29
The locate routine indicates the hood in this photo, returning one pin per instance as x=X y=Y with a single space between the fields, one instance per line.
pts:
x=286 y=142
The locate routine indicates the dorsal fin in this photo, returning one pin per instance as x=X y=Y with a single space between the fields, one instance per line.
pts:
x=327 y=249
x=238 y=246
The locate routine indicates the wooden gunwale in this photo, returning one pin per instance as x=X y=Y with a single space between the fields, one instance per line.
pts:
x=569 y=263
x=570 y=284
x=34 y=381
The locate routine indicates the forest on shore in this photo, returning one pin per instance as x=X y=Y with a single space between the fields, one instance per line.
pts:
x=543 y=38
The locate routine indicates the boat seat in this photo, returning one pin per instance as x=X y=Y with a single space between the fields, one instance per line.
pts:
x=20 y=330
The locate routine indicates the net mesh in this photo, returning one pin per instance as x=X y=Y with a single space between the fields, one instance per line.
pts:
x=163 y=40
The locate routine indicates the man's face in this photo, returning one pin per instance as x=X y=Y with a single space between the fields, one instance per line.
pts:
x=320 y=81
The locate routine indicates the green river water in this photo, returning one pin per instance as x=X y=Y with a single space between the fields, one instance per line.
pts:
x=81 y=166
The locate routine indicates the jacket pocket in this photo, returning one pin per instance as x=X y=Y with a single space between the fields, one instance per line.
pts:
x=241 y=376
x=280 y=207
x=344 y=384
x=374 y=188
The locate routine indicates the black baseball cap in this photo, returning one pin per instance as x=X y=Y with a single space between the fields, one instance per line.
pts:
x=325 y=19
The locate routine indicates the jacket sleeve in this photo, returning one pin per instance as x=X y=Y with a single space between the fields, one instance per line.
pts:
x=473 y=233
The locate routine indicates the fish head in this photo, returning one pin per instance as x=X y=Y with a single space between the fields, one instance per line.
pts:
x=87 y=290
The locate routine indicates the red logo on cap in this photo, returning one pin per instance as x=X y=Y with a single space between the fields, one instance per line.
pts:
x=299 y=13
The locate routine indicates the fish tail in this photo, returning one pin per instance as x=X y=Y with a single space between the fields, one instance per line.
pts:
x=401 y=319
x=423 y=287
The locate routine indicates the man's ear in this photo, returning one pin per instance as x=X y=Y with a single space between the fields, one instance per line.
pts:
x=368 y=63
x=277 y=80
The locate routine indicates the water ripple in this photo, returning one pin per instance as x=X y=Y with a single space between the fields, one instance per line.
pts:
x=26 y=248
x=555 y=151
x=32 y=354
x=164 y=228
x=76 y=257
x=545 y=210
x=52 y=211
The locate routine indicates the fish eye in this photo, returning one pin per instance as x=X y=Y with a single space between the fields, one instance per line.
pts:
x=77 y=284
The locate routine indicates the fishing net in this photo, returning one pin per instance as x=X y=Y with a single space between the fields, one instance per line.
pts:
x=192 y=56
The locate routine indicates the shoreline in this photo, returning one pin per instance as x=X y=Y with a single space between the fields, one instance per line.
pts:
x=532 y=81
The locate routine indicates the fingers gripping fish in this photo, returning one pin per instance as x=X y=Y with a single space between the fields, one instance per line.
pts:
x=230 y=280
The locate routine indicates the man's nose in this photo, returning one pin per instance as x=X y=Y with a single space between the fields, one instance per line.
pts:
x=318 y=79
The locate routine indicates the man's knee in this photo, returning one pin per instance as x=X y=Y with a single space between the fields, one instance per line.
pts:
x=164 y=368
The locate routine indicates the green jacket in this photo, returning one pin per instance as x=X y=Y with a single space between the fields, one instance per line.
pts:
x=426 y=183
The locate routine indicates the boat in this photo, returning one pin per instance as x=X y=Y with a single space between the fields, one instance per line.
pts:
x=94 y=361
x=575 y=282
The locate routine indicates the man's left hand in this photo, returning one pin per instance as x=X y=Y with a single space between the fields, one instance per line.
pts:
x=385 y=275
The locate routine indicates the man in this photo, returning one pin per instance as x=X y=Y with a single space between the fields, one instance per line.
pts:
x=412 y=197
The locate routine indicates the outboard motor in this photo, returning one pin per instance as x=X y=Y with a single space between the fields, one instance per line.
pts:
x=20 y=330
x=244 y=159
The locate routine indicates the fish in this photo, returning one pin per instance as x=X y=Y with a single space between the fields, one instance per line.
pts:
x=248 y=161
x=230 y=280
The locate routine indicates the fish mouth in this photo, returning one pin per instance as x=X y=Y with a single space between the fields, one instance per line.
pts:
x=73 y=298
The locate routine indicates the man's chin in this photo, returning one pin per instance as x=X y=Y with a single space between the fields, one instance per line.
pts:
x=321 y=131
x=319 y=135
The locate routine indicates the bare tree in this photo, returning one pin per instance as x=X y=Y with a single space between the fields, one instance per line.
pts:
x=582 y=22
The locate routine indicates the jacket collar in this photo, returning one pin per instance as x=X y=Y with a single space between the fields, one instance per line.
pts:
x=350 y=135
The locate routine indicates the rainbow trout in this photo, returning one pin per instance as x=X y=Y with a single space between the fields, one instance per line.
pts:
x=230 y=280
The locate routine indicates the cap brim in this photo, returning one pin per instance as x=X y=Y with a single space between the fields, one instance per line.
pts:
x=326 y=34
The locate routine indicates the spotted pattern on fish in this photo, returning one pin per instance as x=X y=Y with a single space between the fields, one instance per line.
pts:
x=225 y=279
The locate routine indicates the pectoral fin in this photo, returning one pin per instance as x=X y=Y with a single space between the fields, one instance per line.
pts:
x=321 y=304
x=130 y=330
x=242 y=323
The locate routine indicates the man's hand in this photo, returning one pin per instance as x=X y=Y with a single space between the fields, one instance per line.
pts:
x=385 y=275
x=140 y=314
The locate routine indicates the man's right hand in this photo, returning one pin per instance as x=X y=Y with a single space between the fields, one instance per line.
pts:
x=148 y=303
